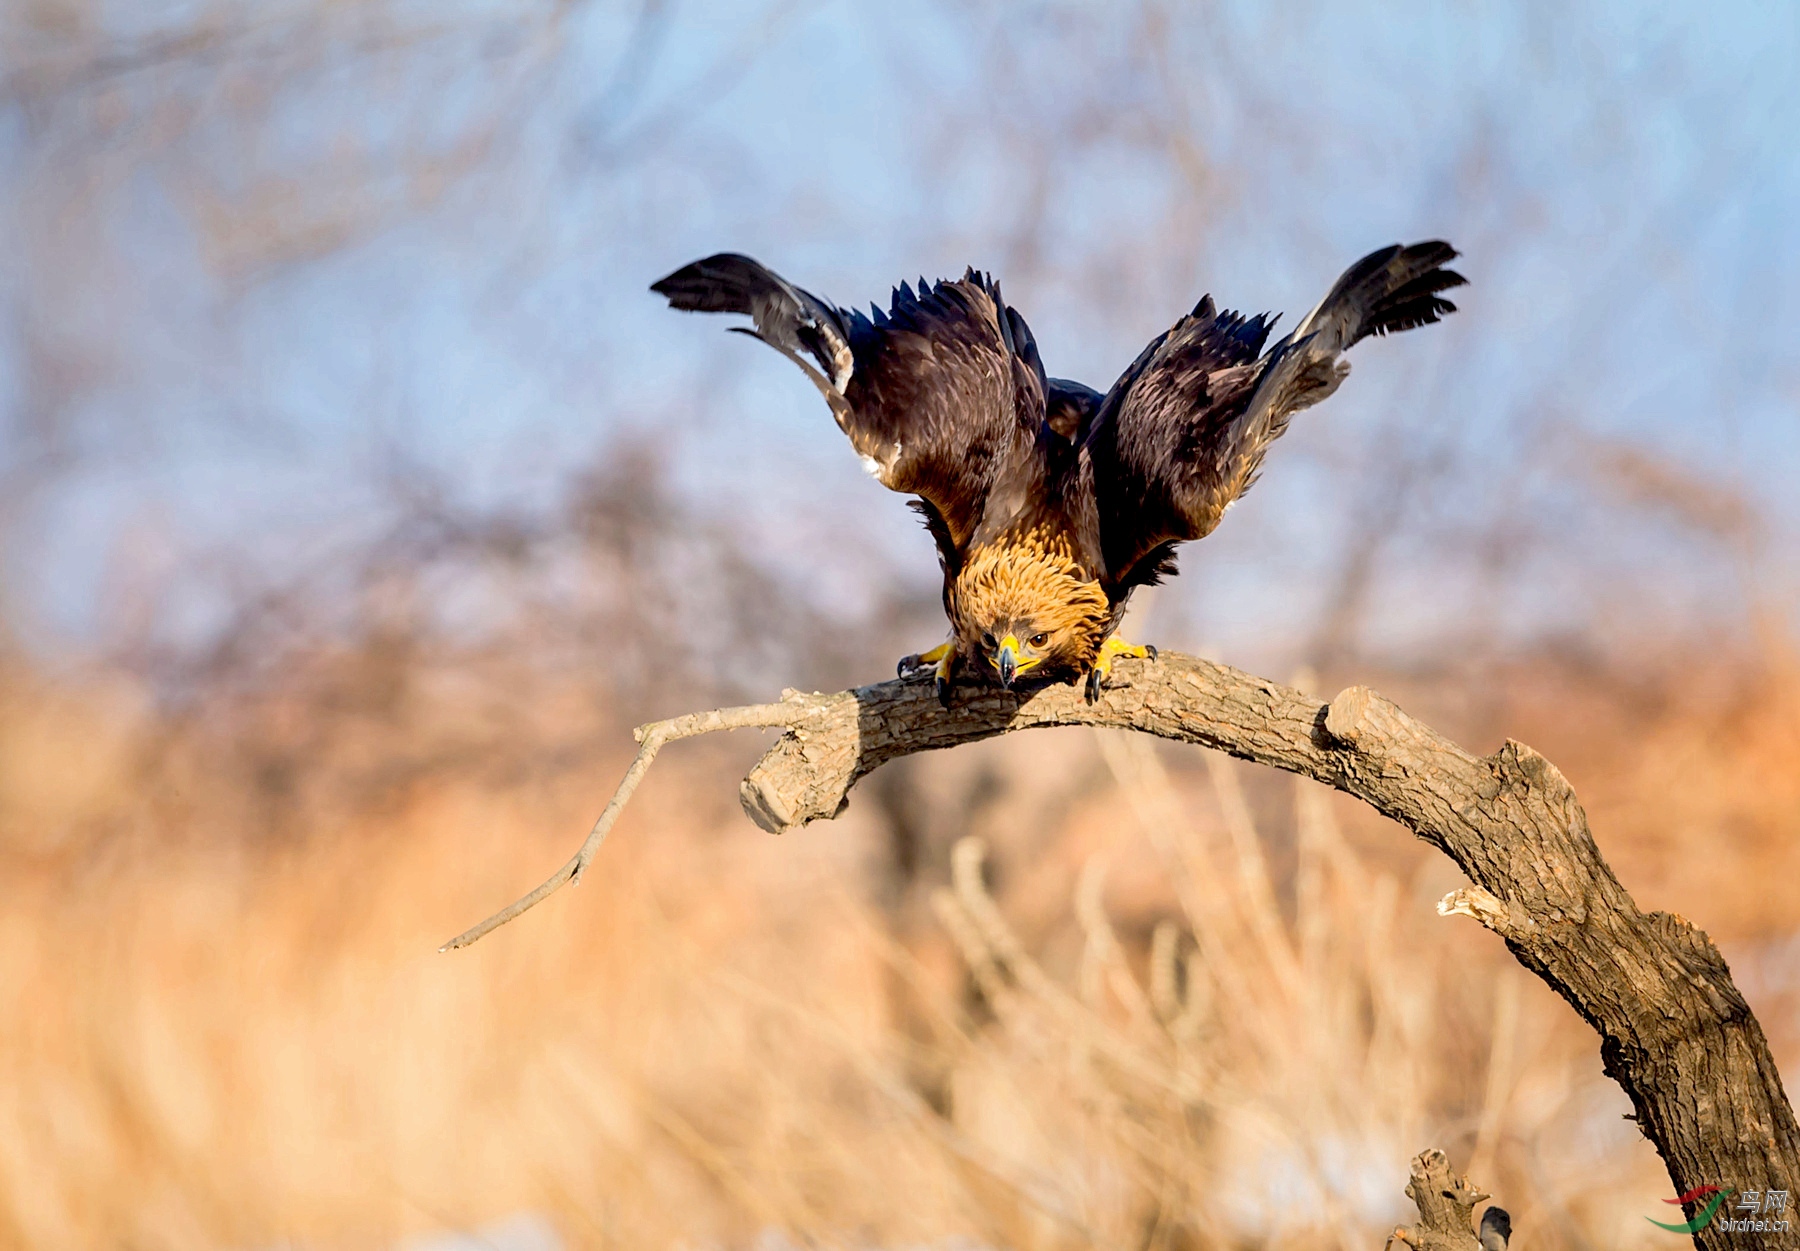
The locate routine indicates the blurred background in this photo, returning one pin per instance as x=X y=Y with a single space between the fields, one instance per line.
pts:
x=356 y=499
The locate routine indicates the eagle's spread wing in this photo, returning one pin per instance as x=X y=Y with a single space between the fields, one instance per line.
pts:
x=1182 y=433
x=942 y=395
x=1160 y=442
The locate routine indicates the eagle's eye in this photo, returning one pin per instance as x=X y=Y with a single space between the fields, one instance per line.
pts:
x=1038 y=640
x=989 y=641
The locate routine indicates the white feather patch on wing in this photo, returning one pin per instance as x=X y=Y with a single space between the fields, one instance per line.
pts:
x=882 y=469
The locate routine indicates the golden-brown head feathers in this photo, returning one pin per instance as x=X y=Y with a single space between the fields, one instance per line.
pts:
x=1027 y=587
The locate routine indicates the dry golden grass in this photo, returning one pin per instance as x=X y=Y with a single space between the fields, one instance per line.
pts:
x=1187 y=1003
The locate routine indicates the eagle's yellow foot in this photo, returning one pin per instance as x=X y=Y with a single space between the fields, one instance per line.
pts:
x=941 y=660
x=1110 y=651
x=924 y=660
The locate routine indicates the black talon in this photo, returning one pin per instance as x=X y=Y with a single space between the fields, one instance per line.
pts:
x=907 y=665
x=1092 y=691
x=943 y=692
x=1151 y=648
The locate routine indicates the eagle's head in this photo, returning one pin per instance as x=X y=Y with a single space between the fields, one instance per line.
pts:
x=1021 y=607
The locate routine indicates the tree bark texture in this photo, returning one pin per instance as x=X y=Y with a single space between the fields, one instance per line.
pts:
x=1674 y=1030
x=1446 y=1204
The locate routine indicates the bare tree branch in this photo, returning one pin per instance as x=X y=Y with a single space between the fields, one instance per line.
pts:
x=1675 y=1032
x=650 y=741
x=1446 y=1204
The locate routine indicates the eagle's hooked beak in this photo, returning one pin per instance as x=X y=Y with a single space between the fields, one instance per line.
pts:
x=1006 y=660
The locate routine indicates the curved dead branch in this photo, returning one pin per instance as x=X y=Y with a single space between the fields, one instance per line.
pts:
x=1675 y=1033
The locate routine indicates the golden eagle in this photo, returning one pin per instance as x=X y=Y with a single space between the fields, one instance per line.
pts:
x=1050 y=503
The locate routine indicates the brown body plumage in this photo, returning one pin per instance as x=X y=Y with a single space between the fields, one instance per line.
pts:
x=1050 y=502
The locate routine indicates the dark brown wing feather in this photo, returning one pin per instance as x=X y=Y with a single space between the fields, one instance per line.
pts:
x=1157 y=445
x=948 y=395
x=1183 y=432
x=942 y=394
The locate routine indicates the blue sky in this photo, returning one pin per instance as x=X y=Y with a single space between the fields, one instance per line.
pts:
x=433 y=252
